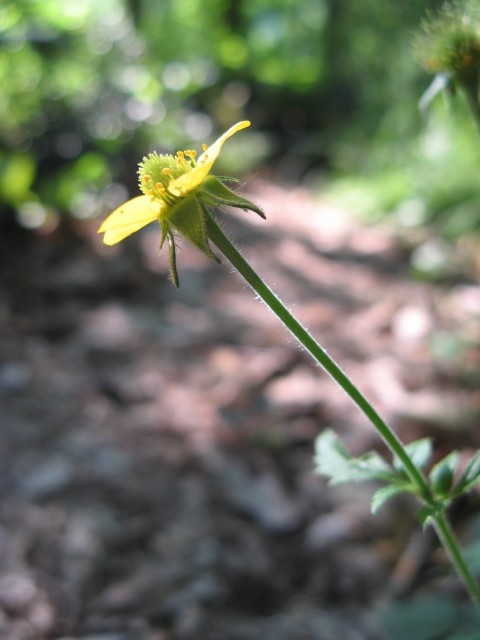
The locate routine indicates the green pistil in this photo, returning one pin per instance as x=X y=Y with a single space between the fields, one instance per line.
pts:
x=155 y=173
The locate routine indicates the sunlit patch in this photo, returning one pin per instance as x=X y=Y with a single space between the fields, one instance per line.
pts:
x=32 y=215
x=176 y=76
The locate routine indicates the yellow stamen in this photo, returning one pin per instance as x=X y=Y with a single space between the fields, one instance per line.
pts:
x=166 y=171
x=147 y=178
x=204 y=147
x=150 y=192
x=159 y=187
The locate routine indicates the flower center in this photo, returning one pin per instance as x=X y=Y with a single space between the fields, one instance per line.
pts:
x=155 y=173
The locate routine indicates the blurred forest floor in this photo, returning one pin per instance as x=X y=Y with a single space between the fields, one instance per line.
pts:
x=156 y=445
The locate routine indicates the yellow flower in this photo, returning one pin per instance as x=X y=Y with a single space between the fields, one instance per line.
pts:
x=176 y=178
x=179 y=193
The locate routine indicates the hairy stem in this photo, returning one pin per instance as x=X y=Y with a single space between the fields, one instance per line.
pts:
x=318 y=353
x=441 y=525
x=450 y=544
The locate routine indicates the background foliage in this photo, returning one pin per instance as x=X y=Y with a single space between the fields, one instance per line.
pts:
x=331 y=86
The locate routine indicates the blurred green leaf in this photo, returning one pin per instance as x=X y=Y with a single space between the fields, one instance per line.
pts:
x=91 y=167
x=472 y=556
x=333 y=461
x=420 y=452
x=443 y=472
x=384 y=494
x=471 y=474
x=430 y=618
x=17 y=173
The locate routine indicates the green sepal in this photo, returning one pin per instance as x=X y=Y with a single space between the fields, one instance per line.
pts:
x=188 y=218
x=227 y=179
x=172 y=255
x=214 y=193
x=165 y=229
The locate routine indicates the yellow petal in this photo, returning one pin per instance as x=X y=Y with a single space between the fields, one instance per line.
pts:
x=194 y=178
x=130 y=217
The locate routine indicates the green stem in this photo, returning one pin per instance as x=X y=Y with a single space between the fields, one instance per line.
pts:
x=450 y=543
x=441 y=525
x=320 y=355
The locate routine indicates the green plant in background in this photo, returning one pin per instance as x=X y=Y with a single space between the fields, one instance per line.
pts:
x=181 y=195
x=449 y=46
x=417 y=171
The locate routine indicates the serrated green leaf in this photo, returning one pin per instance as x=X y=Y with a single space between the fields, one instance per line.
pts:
x=385 y=493
x=420 y=452
x=333 y=461
x=443 y=472
x=471 y=475
x=329 y=453
x=472 y=472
